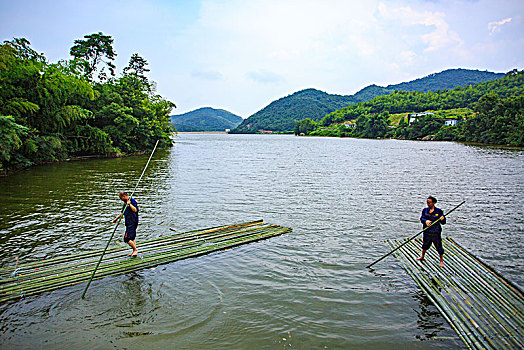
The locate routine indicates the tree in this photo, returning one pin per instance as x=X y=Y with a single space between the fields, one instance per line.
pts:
x=372 y=125
x=49 y=111
x=11 y=135
x=24 y=51
x=304 y=126
x=94 y=50
x=137 y=66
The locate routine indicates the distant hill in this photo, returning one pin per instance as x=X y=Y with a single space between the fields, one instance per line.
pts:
x=489 y=112
x=281 y=115
x=447 y=79
x=205 y=119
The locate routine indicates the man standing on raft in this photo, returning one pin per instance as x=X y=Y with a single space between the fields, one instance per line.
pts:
x=432 y=234
x=131 y=217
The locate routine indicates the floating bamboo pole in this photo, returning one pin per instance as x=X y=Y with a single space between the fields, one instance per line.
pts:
x=443 y=309
x=6 y=272
x=75 y=279
x=460 y=320
x=152 y=256
x=473 y=300
x=65 y=271
x=485 y=309
x=473 y=316
x=49 y=266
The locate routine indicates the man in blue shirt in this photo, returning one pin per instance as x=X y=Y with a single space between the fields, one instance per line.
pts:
x=433 y=233
x=131 y=220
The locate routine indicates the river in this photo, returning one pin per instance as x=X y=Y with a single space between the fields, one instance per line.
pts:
x=308 y=289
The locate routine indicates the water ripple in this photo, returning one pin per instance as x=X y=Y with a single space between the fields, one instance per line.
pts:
x=305 y=289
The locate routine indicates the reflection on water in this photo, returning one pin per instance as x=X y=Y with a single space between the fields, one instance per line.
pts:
x=429 y=319
x=305 y=289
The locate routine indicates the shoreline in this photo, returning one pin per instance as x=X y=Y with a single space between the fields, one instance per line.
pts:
x=200 y=132
x=9 y=171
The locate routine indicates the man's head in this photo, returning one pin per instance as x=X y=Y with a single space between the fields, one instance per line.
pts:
x=431 y=201
x=123 y=196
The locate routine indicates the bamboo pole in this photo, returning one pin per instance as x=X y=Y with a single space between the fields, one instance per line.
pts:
x=496 y=293
x=505 y=310
x=508 y=300
x=74 y=272
x=449 y=316
x=53 y=261
x=489 y=316
x=223 y=234
x=409 y=240
x=466 y=322
x=130 y=267
x=118 y=222
x=514 y=288
x=471 y=299
x=477 y=317
x=199 y=246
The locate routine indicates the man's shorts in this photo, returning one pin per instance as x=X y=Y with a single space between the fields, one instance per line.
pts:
x=130 y=234
x=436 y=240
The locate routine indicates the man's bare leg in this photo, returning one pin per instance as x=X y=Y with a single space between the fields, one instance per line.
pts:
x=422 y=256
x=441 y=264
x=133 y=245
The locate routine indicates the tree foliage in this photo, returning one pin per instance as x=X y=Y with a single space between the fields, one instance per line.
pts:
x=498 y=117
x=137 y=67
x=94 y=50
x=51 y=111
x=282 y=114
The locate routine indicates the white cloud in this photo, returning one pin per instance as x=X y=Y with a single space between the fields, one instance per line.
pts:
x=241 y=55
x=408 y=57
x=265 y=77
x=494 y=27
x=266 y=49
x=207 y=75
x=437 y=33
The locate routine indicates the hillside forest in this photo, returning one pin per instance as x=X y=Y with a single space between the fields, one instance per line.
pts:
x=76 y=107
x=281 y=115
x=491 y=112
x=205 y=119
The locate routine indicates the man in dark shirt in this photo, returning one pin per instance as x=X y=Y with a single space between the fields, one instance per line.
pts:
x=131 y=219
x=433 y=233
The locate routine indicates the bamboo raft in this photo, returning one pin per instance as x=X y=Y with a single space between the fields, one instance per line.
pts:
x=46 y=275
x=485 y=309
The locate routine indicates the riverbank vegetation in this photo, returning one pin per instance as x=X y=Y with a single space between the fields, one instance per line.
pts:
x=490 y=112
x=78 y=107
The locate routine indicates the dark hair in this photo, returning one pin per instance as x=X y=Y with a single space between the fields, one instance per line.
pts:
x=433 y=199
x=122 y=193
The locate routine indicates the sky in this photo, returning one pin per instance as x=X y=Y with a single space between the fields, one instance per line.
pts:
x=242 y=55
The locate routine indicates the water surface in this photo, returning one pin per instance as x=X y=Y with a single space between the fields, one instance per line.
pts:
x=305 y=289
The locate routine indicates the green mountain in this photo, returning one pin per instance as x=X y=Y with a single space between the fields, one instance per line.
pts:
x=205 y=119
x=491 y=112
x=447 y=79
x=282 y=114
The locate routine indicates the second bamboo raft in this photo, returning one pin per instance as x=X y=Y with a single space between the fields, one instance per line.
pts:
x=46 y=275
x=485 y=309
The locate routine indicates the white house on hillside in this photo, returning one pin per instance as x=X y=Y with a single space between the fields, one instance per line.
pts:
x=413 y=117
